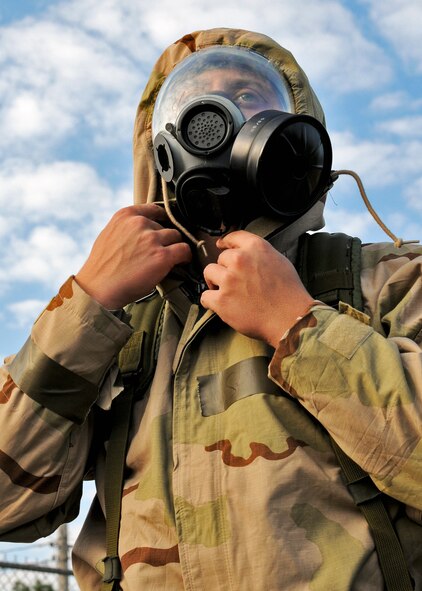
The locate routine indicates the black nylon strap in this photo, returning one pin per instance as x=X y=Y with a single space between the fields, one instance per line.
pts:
x=329 y=266
x=115 y=463
x=137 y=364
x=369 y=499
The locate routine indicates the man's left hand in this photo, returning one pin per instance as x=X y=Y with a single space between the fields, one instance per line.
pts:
x=253 y=288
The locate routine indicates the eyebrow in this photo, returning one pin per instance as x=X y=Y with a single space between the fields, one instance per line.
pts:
x=235 y=84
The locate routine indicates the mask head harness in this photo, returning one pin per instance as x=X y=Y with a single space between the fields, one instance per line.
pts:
x=238 y=152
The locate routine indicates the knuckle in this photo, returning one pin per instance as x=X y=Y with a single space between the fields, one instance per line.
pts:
x=207 y=272
x=238 y=258
x=178 y=253
x=119 y=214
x=128 y=210
x=174 y=235
x=141 y=222
x=144 y=224
x=186 y=249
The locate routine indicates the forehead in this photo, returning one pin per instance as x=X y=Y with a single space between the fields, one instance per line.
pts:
x=228 y=78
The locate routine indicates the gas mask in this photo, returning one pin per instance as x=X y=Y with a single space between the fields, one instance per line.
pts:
x=238 y=152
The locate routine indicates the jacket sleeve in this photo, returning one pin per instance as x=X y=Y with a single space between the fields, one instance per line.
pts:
x=46 y=393
x=362 y=382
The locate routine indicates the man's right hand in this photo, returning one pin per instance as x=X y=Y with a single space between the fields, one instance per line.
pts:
x=131 y=255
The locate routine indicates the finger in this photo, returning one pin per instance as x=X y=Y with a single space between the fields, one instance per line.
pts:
x=227 y=257
x=234 y=239
x=179 y=253
x=208 y=299
x=169 y=236
x=214 y=275
x=151 y=211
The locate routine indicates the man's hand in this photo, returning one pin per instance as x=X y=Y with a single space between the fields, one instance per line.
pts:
x=254 y=289
x=131 y=255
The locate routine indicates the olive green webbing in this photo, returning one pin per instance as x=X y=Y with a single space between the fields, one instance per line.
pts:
x=330 y=266
x=115 y=463
x=369 y=500
x=137 y=364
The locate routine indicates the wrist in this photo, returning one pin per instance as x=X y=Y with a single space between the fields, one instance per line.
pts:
x=297 y=312
x=97 y=294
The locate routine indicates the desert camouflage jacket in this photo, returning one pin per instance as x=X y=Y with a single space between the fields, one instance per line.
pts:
x=231 y=482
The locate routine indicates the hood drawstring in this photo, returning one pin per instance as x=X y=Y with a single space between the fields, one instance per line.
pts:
x=397 y=241
x=200 y=244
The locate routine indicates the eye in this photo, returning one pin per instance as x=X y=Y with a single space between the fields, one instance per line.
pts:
x=248 y=97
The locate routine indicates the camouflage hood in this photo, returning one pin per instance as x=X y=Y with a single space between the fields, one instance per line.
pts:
x=146 y=185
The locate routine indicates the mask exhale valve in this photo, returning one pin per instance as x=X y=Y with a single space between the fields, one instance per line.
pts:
x=223 y=171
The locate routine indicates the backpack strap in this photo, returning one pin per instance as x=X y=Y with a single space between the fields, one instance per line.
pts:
x=137 y=362
x=369 y=499
x=329 y=266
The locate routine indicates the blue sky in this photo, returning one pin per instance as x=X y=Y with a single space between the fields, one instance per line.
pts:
x=72 y=72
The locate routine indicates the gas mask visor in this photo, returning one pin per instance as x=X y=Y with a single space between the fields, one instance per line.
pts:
x=230 y=148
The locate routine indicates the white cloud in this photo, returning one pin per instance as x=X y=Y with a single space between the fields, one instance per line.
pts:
x=24 y=313
x=389 y=101
x=339 y=219
x=386 y=169
x=414 y=194
x=56 y=78
x=393 y=101
x=400 y=21
x=120 y=24
x=7 y=225
x=47 y=254
x=405 y=127
x=51 y=214
x=379 y=163
x=66 y=191
x=347 y=60
x=362 y=224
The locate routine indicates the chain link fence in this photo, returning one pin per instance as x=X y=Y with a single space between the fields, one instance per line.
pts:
x=15 y=576
x=42 y=566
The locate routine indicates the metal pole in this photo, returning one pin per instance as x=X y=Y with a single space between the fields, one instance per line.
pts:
x=63 y=580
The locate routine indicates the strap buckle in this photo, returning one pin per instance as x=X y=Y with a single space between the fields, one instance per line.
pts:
x=112 y=569
x=363 y=490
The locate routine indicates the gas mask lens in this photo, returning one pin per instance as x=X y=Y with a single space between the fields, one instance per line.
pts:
x=244 y=77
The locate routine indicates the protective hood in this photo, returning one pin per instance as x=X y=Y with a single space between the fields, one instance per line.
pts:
x=147 y=185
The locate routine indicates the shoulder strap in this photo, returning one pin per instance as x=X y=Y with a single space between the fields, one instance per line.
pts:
x=137 y=364
x=329 y=266
x=369 y=500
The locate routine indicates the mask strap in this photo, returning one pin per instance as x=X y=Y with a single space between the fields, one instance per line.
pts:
x=200 y=244
x=397 y=241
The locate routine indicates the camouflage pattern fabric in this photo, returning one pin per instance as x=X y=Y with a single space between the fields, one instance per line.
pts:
x=231 y=482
